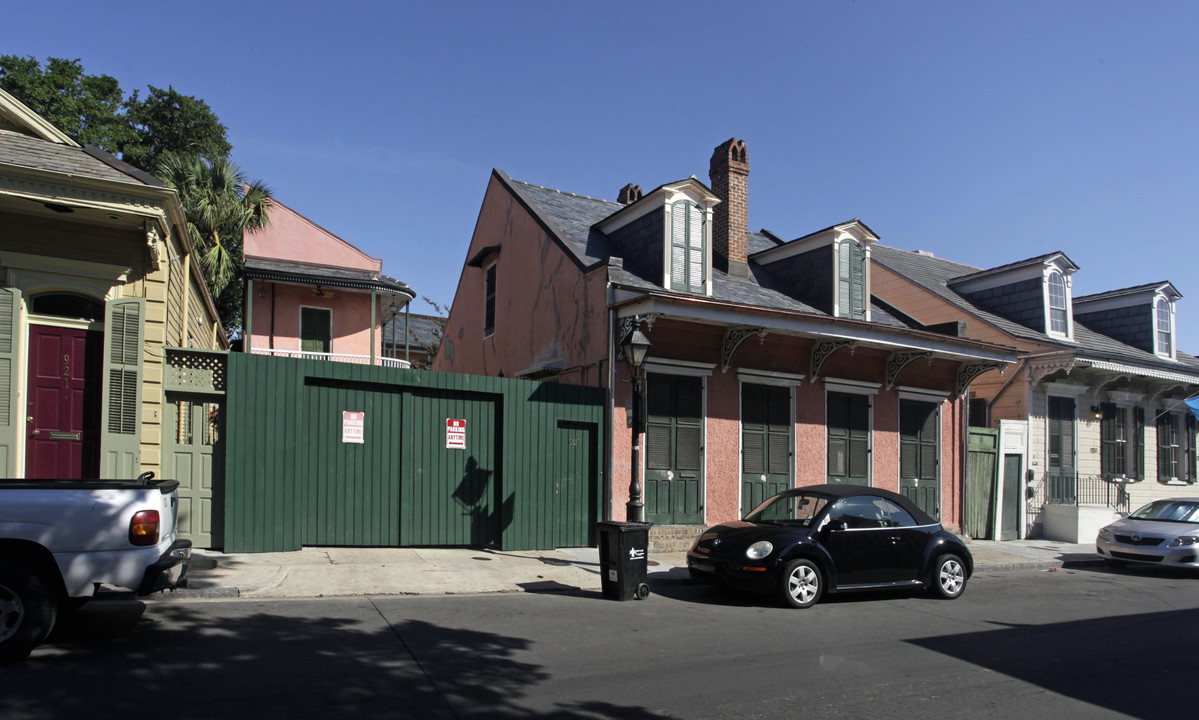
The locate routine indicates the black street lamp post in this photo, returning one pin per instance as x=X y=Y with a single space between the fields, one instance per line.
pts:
x=636 y=348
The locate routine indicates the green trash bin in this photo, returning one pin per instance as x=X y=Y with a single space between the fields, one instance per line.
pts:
x=624 y=557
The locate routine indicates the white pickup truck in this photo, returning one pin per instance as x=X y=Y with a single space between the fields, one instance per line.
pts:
x=60 y=540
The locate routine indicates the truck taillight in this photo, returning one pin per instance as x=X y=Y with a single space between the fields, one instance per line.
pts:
x=144 y=528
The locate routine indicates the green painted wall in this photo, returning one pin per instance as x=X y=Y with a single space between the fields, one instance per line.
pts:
x=529 y=476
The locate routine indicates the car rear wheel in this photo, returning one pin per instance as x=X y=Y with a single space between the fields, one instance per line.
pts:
x=801 y=584
x=27 y=612
x=949 y=577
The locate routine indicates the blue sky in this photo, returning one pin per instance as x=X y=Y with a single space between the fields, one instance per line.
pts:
x=985 y=132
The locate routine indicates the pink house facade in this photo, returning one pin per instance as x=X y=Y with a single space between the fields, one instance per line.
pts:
x=771 y=364
x=311 y=294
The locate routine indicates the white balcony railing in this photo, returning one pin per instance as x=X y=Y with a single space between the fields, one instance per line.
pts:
x=335 y=357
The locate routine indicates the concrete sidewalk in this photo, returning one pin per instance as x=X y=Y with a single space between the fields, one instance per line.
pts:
x=330 y=572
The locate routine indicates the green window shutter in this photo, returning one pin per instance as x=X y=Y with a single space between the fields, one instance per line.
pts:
x=120 y=434
x=857 y=282
x=687 y=264
x=1108 y=461
x=1061 y=436
x=848 y=438
x=1190 y=471
x=1136 y=444
x=10 y=425
x=316 y=335
x=1165 y=448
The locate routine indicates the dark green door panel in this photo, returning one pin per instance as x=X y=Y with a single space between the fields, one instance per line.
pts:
x=919 y=454
x=848 y=439
x=674 y=453
x=766 y=443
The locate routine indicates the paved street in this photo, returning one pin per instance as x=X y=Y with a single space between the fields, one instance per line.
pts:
x=1078 y=642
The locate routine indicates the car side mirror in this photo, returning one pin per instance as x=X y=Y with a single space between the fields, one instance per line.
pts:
x=840 y=525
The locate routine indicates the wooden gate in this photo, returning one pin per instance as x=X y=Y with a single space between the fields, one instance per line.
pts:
x=326 y=453
x=982 y=466
x=193 y=429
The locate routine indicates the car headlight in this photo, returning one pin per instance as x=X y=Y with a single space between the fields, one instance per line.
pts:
x=1183 y=541
x=759 y=550
x=1105 y=533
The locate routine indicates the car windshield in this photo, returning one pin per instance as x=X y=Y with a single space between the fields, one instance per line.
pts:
x=1169 y=511
x=789 y=509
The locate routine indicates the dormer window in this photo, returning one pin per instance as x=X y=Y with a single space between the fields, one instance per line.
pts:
x=851 y=279
x=688 y=249
x=1164 y=322
x=1058 y=305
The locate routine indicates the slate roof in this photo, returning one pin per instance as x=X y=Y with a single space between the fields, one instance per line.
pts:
x=573 y=217
x=1136 y=290
x=935 y=274
x=269 y=269
x=425 y=330
x=35 y=153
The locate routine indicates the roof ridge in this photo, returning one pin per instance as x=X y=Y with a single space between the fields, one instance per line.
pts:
x=564 y=192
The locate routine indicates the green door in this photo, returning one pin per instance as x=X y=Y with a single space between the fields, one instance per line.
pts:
x=191 y=452
x=1009 y=526
x=674 y=450
x=848 y=439
x=766 y=443
x=919 y=455
x=576 y=484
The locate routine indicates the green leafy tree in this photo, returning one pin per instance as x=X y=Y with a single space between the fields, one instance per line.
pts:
x=88 y=108
x=167 y=121
x=220 y=205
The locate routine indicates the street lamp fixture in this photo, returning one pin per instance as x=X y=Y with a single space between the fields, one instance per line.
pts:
x=636 y=349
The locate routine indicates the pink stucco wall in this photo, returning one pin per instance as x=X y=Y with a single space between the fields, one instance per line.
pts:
x=351 y=317
x=291 y=236
x=548 y=313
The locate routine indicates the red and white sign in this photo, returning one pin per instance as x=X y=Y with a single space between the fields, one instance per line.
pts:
x=353 y=426
x=455 y=434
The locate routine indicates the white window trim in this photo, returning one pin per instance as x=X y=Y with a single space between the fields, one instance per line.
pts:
x=668 y=366
x=1067 y=283
x=766 y=377
x=1171 y=355
x=923 y=395
x=705 y=209
x=857 y=387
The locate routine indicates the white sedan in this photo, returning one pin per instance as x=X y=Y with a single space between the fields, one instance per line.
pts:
x=1164 y=532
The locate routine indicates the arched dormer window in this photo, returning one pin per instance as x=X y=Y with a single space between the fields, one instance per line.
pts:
x=67 y=305
x=851 y=280
x=1165 y=328
x=1059 y=316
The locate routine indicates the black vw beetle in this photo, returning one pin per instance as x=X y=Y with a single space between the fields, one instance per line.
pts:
x=832 y=538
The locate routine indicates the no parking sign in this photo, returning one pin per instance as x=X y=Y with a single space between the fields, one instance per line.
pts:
x=455 y=434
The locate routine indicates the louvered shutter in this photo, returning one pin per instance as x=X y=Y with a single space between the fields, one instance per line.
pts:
x=1108 y=456
x=1165 y=448
x=10 y=415
x=695 y=248
x=848 y=438
x=1189 y=471
x=843 y=280
x=120 y=435
x=857 y=282
x=753 y=411
x=1136 y=452
x=678 y=246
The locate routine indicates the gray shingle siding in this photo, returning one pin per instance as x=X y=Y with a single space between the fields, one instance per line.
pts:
x=1131 y=325
x=1022 y=302
x=641 y=243
x=808 y=276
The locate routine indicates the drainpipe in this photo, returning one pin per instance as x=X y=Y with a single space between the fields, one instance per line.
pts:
x=245 y=321
x=610 y=410
x=407 y=320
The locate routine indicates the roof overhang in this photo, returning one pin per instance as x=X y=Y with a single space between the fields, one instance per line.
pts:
x=823 y=327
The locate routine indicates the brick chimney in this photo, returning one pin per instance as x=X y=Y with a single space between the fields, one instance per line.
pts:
x=729 y=173
x=630 y=194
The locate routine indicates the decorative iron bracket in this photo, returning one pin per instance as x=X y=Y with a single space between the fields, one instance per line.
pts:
x=969 y=372
x=626 y=327
x=1040 y=370
x=897 y=361
x=822 y=351
x=733 y=338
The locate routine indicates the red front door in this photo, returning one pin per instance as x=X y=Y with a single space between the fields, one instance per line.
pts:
x=64 y=403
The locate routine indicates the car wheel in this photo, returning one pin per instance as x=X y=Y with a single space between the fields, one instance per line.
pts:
x=801 y=584
x=949 y=577
x=27 y=613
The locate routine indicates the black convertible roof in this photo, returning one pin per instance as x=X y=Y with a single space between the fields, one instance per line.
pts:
x=842 y=491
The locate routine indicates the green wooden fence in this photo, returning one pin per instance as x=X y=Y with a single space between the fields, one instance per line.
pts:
x=335 y=454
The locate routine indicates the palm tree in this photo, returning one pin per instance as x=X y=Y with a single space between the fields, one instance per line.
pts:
x=220 y=205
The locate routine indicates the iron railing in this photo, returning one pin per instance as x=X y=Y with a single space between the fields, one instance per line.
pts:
x=335 y=357
x=1086 y=490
